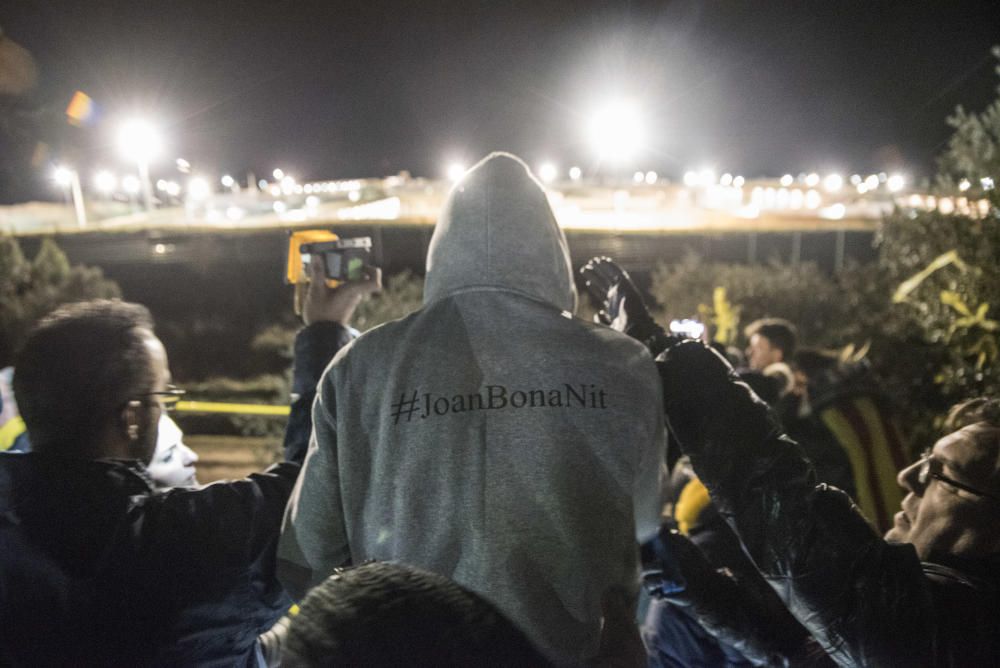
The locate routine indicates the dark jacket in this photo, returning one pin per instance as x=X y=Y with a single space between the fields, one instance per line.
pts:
x=98 y=568
x=868 y=602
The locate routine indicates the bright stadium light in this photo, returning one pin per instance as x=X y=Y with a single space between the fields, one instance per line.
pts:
x=198 y=188
x=131 y=185
x=63 y=176
x=615 y=131
x=105 y=182
x=140 y=141
x=895 y=183
x=456 y=171
x=548 y=172
x=833 y=183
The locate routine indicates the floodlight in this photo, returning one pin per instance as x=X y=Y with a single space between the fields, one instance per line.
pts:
x=833 y=183
x=140 y=141
x=105 y=181
x=198 y=188
x=548 y=172
x=131 y=184
x=615 y=131
x=895 y=183
x=63 y=176
x=456 y=171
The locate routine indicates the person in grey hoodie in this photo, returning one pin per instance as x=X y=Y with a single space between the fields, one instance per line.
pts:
x=489 y=437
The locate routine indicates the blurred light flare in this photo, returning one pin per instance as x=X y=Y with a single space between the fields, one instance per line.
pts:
x=105 y=181
x=131 y=185
x=615 y=130
x=575 y=173
x=895 y=183
x=455 y=171
x=198 y=188
x=140 y=141
x=787 y=180
x=548 y=172
x=63 y=176
x=227 y=181
x=833 y=183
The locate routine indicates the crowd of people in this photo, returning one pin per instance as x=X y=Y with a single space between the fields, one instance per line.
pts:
x=491 y=481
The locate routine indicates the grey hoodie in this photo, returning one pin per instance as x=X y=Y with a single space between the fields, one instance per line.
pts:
x=490 y=436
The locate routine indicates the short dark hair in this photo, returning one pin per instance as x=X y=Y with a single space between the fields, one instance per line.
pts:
x=781 y=333
x=981 y=409
x=384 y=614
x=80 y=365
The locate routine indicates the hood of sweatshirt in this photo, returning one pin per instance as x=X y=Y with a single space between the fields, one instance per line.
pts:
x=497 y=230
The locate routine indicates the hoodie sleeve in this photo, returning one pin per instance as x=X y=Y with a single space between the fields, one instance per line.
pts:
x=314 y=536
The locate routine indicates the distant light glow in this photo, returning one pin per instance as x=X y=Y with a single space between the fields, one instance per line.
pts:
x=105 y=181
x=139 y=140
x=312 y=201
x=862 y=188
x=548 y=172
x=173 y=188
x=228 y=181
x=986 y=182
x=456 y=171
x=690 y=179
x=262 y=184
x=787 y=180
x=726 y=179
x=706 y=177
x=278 y=174
x=855 y=179
x=651 y=178
x=354 y=195
x=964 y=185
x=198 y=188
x=946 y=205
x=63 y=176
x=615 y=131
x=813 y=200
x=871 y=182
x=183 y=166
x=638 y=177
x=738 y=181
x=833 y=183
x=280 y=207
x=235 y=213
x=812 y=180
x=833 y=212
x=275 y=191
x=575 y=173
x=895 y=183
x=131 y=185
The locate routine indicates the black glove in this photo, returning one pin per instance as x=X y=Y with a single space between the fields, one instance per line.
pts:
x=745 y=614
x=622 y=307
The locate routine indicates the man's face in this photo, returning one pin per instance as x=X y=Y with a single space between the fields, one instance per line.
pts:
x=940 y=519
x=761 y=354
x=152 y=408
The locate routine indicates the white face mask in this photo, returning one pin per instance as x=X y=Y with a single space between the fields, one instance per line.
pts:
x=173 y=462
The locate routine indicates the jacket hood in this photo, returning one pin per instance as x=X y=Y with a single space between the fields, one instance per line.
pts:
x=497 y=230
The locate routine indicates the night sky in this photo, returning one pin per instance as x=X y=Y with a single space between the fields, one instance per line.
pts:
x=337 y=90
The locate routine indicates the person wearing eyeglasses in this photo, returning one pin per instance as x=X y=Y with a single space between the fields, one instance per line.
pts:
x=97 y=566
x=927 y=594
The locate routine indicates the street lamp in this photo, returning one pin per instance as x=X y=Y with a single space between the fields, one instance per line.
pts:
x=69 y=179
x=140 y=142
x=615 y=130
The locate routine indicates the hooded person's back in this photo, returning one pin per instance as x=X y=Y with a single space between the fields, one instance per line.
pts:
x=490 y=436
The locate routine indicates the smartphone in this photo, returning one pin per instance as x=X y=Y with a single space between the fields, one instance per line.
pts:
x=343 y=259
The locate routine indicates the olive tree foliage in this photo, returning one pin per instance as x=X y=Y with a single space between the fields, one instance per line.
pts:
x=946 y=266
x=31 y=288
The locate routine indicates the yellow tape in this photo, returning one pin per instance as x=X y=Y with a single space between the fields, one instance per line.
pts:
x=235 y=409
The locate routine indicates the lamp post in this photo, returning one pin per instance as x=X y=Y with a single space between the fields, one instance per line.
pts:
x=140 y=142
x=70 y=178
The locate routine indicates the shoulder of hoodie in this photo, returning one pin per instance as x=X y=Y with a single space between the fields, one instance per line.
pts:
x=379 y=338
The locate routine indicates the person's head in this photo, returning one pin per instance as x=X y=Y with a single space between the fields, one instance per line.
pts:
x=383 y=614
x=173 y=462
x=86 y=380
x=954 y=489
x=770 y=340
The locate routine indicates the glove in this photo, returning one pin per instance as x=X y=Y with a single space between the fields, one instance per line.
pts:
x=622 y=307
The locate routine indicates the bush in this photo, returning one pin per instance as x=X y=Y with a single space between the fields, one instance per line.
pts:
x=30 y=289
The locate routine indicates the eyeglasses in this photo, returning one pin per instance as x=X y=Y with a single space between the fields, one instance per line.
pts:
x=931 y=468
x=168 y=397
